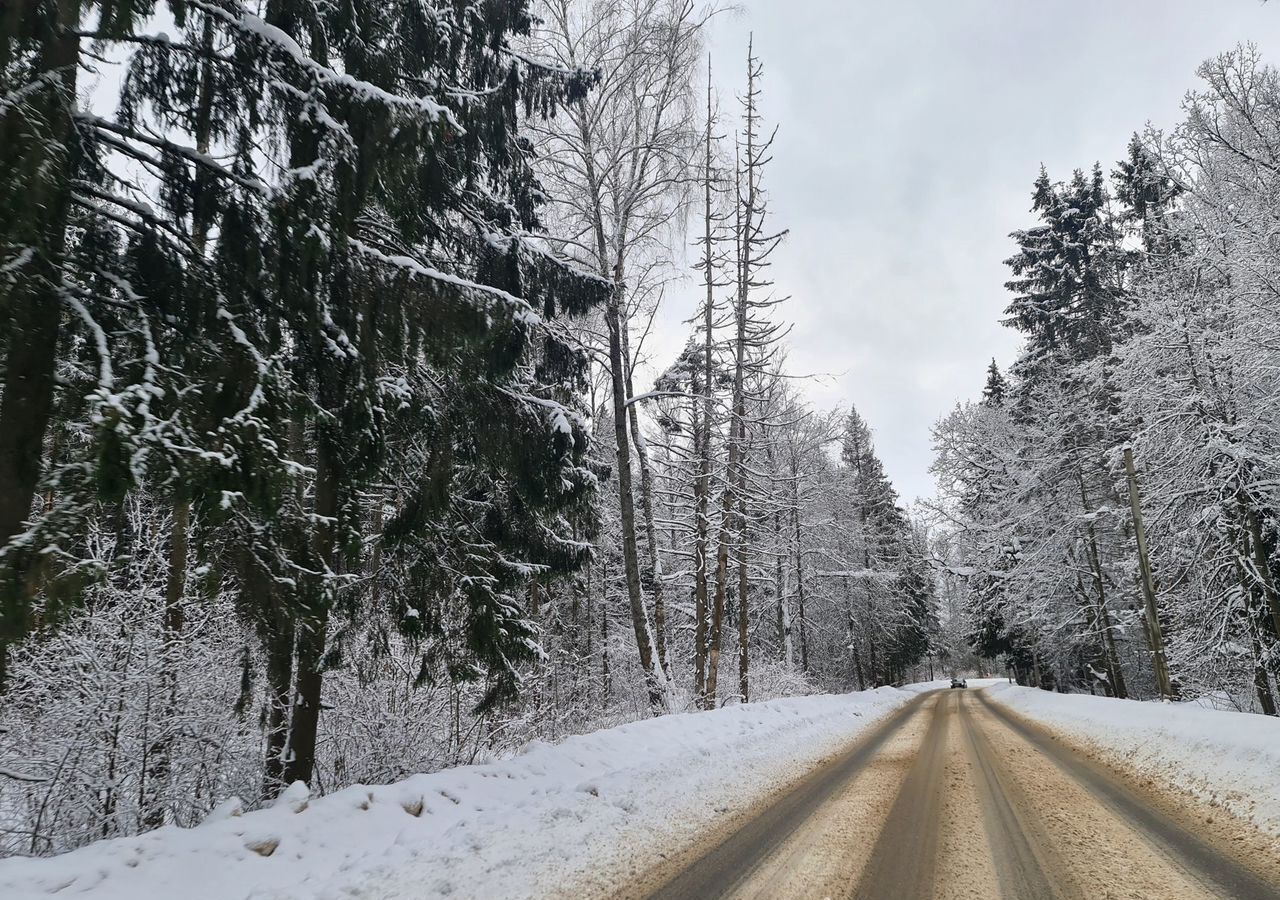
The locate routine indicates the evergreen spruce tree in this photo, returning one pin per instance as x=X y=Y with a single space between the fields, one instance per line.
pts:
x=96 y=282
x=287 y=332
x=1146 y=194
x=420 y=293
x=994 y=391
x=1068 y=294
x=896 y=595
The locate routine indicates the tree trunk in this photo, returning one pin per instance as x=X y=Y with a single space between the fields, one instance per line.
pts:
x=702 y=485
x=160 y=752
x=631 y=564
x=708 y=700
x=872 y=664
x=655 y=676
x=1257 y=621
x=1089 y=609
x=304 y=726
x=744 y=631
x=1103 y=617
x=1261 y=682
x=804 y=641
x=646 y=508
x=728 y=526
x=179 y=547
x=701 y=546
x=1113 y=658
x=278 y=641
x=300 y=759
x=606 y=675
x=1111 y=661
x=787 y=651
x=1262 y=564
x=176 y=582
x=735 y=478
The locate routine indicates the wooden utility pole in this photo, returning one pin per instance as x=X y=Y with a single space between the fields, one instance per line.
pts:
x=1154 y=634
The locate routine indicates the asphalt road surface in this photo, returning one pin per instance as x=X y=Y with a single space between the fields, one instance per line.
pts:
x=954 y=797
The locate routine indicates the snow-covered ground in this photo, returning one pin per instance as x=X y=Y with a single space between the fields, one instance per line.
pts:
x=532 y=825
x=1230 y=758
x=564 y=819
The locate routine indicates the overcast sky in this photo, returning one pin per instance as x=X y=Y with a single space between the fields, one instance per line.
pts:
x=910 y=133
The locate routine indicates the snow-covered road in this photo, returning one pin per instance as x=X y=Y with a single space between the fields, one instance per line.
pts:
x=1228 y=759
x=959 y=798
x=932 y=791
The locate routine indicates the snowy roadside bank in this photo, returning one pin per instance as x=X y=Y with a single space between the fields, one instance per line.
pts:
x=606 y=802
x=1228 y=758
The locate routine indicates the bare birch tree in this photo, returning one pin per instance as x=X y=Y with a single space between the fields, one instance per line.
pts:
x=618 y=165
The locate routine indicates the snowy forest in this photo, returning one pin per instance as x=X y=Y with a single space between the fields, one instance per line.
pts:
x=1109 y=509
x=332 y=449
x=338 y=444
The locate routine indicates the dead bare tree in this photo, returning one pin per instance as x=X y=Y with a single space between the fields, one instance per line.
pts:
x=755 y=347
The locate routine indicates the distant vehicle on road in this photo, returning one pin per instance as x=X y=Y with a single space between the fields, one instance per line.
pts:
x=957 y=682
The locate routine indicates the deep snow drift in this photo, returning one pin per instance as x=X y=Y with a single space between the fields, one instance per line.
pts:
x=1230 y=758
x=555 y=817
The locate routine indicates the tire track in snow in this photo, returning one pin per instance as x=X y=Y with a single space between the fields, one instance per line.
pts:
x=729 y=865
x=1182 y=849
x=1021 y=849
x=955 y=799
x=902 y=862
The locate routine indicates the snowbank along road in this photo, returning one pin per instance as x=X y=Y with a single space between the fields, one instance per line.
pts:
x=955 y=796
x=881 y=794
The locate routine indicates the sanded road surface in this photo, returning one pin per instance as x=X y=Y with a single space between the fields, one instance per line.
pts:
x=955 y=797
